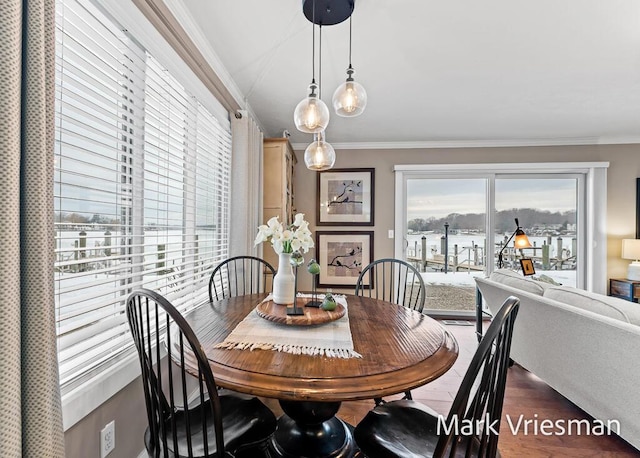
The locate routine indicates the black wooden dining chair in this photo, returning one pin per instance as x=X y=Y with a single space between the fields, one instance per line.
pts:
x=407 y=428
x=239 y=276
x=396 y=281
x=187 y=415
x=393 y=280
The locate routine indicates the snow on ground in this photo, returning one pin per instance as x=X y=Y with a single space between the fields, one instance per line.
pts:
x=565 y=277
x=451 y=278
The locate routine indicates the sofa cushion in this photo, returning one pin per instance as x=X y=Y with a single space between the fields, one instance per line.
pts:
x=515 y=280
x=546 y=279
x=612 y=307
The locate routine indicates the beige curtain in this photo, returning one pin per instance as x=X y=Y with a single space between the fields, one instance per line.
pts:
x=246 y=184
x=30 y=412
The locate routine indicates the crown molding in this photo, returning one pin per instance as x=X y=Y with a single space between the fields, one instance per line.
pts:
x=619 y=140
x=165 y=22
x=185 y=19
x=575 y=141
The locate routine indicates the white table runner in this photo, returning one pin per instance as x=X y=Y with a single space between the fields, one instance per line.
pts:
x=331 y=339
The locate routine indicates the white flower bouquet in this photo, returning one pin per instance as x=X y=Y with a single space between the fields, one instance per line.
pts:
x=286 y=239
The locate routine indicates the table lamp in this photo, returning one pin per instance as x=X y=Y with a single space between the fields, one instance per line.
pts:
x=521 y=241
x=631 y=250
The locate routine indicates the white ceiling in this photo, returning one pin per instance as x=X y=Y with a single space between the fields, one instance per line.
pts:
x=438 y=72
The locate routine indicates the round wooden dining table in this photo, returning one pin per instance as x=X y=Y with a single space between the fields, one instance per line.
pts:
x=401 y=349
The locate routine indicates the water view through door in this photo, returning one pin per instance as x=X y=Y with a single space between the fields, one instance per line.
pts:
x=447 y=225
x=547 y=209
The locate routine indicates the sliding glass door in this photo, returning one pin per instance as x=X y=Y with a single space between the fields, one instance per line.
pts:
x=446 y=238
x=455 y=223
x=547 y=210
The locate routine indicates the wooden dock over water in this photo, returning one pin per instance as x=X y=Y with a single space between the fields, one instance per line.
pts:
x=510 y=258
x=473 y=258
x=438 y=264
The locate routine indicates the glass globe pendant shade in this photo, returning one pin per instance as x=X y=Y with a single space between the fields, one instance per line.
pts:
x=311 y=114
x=350 y=98
x=319 y=155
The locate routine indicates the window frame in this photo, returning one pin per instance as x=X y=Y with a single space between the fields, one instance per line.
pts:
x=591 y=201
x=83 y=399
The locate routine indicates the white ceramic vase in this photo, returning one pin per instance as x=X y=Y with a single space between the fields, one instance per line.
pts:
x=284 y=282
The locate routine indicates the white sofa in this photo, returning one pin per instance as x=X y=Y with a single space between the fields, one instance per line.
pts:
x=584 y=345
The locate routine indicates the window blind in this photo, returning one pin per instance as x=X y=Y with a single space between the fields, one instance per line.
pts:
x=142 y=174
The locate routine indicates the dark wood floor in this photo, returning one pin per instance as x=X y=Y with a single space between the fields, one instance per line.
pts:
x=526 y=395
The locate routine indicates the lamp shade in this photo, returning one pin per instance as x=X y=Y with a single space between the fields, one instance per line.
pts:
x=311 y=114
x=521 y=240
x=349 y=99
x=319 y=155
x=631 y=249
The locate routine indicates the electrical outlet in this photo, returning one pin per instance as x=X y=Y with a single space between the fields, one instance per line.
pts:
x=391 y=234
x=107 y=439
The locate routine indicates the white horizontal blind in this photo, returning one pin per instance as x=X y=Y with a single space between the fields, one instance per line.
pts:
x=141 y=189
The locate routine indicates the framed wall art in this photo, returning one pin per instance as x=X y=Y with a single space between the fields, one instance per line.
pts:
x=342 y=256
x=345 y=197
x=527 y=267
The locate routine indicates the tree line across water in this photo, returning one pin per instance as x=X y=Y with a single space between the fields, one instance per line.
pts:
x=529 y=218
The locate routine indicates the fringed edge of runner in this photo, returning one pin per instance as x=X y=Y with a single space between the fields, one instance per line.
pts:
x=293 y=349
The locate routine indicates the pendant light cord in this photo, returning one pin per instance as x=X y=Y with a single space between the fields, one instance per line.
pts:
x=350 y=40
x=320 y=66
x=313 y=43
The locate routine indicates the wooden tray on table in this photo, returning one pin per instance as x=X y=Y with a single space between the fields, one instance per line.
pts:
x=277 y=313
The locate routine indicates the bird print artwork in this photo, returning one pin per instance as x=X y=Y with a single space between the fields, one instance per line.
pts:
x=345 y=258
x=345 y=197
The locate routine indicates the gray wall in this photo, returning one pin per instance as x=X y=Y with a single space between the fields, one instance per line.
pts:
x=127 y=407
x=621 y=182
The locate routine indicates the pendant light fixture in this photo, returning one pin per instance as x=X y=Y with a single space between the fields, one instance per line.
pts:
x=311 y=114
x=350 y=98
x=319 y=155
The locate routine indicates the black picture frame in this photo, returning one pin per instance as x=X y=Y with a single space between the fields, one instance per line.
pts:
x=345 y=197
x=638 y=208
x=527 y=267
x=342 y=255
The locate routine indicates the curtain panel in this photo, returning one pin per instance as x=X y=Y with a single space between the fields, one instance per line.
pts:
x=30 y=405
x=246 y=184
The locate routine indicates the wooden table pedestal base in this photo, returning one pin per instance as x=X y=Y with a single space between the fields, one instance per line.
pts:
x=311 y=429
